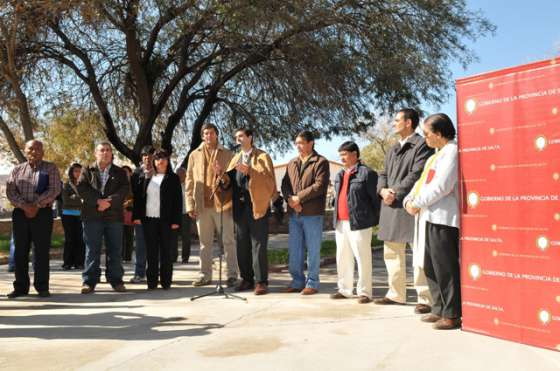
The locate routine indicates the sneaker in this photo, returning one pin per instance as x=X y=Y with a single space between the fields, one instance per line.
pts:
x=137 y=279
x=201 y=282
x=231 y=282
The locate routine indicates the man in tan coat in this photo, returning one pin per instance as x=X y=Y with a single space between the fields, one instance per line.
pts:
x=251 y=175
x=205 y=196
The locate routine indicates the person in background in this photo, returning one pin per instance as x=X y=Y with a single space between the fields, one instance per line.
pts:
x=128 y=225
x=138 y=181
x=32 y=187
x=434 y=201
x=159 y=208
x=74 y=248
x=185 y=229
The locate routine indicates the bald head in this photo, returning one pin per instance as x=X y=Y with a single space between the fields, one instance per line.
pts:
x=34 y=151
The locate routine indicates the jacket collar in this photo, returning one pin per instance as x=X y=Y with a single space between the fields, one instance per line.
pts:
x=220 y=147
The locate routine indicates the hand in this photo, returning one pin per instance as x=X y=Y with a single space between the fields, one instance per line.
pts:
x=30 y=211
x=174 y=226
x=103 y=204
x=217 y=168
x=243 y=168
x=295 y=200
x=388 y=195
x=298 y=208
x=192 y=215
x=137 y=222
x=411 y=209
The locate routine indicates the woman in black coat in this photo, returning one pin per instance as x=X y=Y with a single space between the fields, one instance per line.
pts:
x=159 y=209
x=74 y=247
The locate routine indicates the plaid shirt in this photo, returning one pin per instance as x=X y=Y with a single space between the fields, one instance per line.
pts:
x=104 y=176
x=22 y=185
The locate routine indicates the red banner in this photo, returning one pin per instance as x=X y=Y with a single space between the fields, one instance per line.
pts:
x=509 y=139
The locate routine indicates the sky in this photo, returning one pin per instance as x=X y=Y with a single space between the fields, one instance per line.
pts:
x=527 y=31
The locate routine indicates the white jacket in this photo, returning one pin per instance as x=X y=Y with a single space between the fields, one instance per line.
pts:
x=438 y=200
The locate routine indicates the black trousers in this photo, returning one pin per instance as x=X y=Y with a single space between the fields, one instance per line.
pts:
x=252 y=242
x=128 y=242
x=185 y=232
x=39 y=231
x=158 y=236
x=74 y=247
x=441 y=266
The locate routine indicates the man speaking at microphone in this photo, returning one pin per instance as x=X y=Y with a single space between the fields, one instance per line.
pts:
x=206 y=198
x=251 y=175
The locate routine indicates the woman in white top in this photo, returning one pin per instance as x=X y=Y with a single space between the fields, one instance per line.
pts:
x=159 y=210
x=434 y=200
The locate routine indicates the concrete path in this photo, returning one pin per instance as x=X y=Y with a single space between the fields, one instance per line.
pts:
x=142 y=330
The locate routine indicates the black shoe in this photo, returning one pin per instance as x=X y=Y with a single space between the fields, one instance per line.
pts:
x=66 y=267
x=15 y=294
x=44 y=294
x=185 y=261
x=79 y=267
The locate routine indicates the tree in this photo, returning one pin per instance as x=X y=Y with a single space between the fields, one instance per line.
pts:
x=17 y=58
x=382 y=137
x=69 y=135
x=151 y=66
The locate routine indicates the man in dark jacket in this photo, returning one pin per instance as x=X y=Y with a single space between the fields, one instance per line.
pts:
x=103 y=188
x=356 y=212
x=305 y=186
x=403 y=166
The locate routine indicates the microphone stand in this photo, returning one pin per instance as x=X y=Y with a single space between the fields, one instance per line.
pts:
x=219 y=291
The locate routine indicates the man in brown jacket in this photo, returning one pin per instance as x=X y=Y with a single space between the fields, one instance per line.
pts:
x=305 y=187
x=251 y=175
x=205 y=199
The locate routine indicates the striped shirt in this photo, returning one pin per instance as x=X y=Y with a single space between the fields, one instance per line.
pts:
x=38 y=185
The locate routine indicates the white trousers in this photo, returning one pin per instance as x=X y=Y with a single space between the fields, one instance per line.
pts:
x=395 y=261
x=350 y=246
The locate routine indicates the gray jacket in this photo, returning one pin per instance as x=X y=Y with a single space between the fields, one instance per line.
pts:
x=403 y=167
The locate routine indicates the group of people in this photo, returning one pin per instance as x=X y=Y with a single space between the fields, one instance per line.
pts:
x=414 y=200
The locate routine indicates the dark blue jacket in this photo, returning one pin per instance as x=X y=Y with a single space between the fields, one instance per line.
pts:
x=363 y=201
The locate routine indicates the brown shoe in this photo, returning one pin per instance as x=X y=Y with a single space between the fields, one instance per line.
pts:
x=430 y=318
x=362 y=299
x=337 y=295
x=447 y=324
x=309 y=291
x=292 y=290
x=87 y=289
x=386 y=301
x=244 y=286
x=119 y=288
x=422 y=309
x=261 y=289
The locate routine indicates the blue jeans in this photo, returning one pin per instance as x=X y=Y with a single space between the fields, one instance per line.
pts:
x=140 y=251
x=94 y=234
x=305 y=232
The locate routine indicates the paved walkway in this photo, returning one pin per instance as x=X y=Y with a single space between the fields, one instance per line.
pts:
x=142 y=330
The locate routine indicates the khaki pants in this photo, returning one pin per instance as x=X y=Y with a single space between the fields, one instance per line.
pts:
x=208 y=223
x=395 y=261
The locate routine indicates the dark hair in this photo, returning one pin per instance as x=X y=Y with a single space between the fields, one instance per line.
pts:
x=349 y=146
x=71 y=170
x=412 y=115
x=126 y=167
x=147 y=150
x=208 y=126
x=247 y=132
x=442 y=124
x=306 y=135
x=159 y=154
